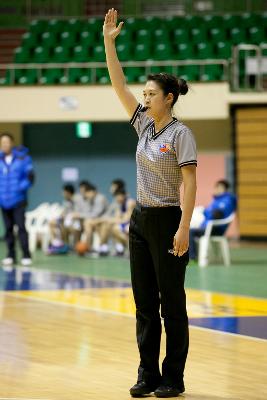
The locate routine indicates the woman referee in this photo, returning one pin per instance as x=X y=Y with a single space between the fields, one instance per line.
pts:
x=159 y=230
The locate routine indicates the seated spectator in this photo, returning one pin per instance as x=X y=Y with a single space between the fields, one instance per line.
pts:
x=222 y=206
x=116 y=225
x=116 y=184
x=97 y=205
x=74 y=222
x=58 y=226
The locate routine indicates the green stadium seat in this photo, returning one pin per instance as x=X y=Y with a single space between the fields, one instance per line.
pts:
x=168 y=69
x=193 y=21
x=263 y=20
x=142 y=52
x=247 y=20
x=21 y=55
x=181 y=35
x=102 y=76
x=230 y=21
x=212 y=73
x=4 y=81
x=161 y=35
x=15 y=74
x=217 y=35
x=41 y=54
x=67 y=39
x=57 y=25
x=174 y=22
x=142 y=78
x=48 y=39
x=86 y=76
x=38 y=26
x=134 y=24
x=212 y=21
x=74 y=25
x=29 y=77
x=80 y=54
x=124 y=37
x=189 y=72
x=143 y=36
x=154 y=69
x=152 y=23
x=29 y=40
x=94 y=25
x=124 y=52
x=223 y=50
x=132 y=74
x=74 y=75
x=204 y=50
x=99 y=53
x=87 y=38
x=185 y=51
x=162 y=52
x=237 y=36
x=256 y=35
x=60 y=55
x=9 y=78
x=198 y=35
x=51 y=76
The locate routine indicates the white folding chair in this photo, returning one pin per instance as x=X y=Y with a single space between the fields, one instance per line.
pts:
x=37 y=223
x=207 y=239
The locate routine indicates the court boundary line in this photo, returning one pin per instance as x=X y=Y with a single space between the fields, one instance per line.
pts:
x=21 y=398
x=119 y=314
x=129 y=281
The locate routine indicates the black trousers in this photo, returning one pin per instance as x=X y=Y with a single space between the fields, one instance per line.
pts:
x=12 y=217
x=158 y=282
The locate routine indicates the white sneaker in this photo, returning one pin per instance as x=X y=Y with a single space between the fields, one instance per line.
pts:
x=26 y=262
x=7 y=261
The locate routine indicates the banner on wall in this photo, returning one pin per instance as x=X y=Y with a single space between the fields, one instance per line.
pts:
x=70 y=174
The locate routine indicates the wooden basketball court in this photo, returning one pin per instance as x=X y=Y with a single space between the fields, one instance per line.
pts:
x=75 y=343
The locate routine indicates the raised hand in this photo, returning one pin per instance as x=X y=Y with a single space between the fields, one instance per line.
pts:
x=110 y=28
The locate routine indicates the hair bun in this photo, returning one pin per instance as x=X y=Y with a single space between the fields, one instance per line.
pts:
x=183 y=87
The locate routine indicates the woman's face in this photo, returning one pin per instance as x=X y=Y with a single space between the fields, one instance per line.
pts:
x=155 y=100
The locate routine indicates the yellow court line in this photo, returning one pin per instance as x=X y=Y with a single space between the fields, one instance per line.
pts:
x=120 y=314
x=200 y=304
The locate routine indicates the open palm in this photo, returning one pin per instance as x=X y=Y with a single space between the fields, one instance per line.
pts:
x=110 y=29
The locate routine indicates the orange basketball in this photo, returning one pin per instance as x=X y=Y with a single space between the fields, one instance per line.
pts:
x=81 y=248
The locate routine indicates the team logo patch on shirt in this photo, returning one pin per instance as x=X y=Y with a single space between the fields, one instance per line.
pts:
x=164 y=148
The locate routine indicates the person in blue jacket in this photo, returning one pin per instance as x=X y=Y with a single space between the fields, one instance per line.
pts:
x=222 y=206
x=16 y=177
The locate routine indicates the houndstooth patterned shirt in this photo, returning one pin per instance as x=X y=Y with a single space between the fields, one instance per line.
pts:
x=159 y=157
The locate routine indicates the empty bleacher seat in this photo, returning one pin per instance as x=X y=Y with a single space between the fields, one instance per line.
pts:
x=148 y=38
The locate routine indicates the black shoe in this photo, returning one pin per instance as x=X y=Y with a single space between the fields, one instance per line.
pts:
x=168 y=391
x=141 y=389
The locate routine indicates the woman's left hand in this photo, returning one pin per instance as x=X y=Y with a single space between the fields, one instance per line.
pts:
x=181 y=241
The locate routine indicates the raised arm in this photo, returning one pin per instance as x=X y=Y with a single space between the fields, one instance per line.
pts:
x=110 y=32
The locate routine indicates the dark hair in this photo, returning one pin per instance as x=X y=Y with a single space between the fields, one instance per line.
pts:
x=69 y=188
x=83 y=183
x=170 y=84
x=119 y=182
x=7 y=134
x=120 y=191
x=90 y=187
x=223 y=182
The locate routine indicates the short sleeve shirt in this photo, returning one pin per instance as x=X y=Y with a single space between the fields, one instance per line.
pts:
x=160 y=157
